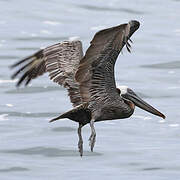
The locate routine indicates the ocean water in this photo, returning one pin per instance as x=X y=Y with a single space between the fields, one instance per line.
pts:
x=141 y=147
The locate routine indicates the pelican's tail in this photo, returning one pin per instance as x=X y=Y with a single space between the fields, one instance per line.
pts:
x=62 y=116
x=79 y=114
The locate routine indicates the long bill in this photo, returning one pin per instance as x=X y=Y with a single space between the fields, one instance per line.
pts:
x=143 y=105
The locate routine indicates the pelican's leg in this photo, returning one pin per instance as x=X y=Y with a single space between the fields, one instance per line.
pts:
x=92 y=138
x=80 y=142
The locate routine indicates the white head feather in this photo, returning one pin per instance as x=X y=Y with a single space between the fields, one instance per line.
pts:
x=123 y=89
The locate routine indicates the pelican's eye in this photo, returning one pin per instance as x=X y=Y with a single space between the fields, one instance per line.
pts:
x=118 y=91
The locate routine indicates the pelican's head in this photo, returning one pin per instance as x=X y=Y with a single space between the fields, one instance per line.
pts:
x=129 y=95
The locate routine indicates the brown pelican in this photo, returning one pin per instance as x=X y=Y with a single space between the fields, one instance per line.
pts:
x=89 y=79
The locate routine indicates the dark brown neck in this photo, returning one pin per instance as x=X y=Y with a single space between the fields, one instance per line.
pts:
x=130 y=104
x=131 y=107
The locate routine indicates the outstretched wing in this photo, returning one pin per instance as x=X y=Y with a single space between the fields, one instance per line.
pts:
x=96 y=70
x=60 y=60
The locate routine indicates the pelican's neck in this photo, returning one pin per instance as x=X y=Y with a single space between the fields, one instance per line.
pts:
x=131 y=107
x=130 y=104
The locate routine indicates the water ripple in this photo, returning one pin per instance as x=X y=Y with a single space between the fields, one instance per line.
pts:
x=36 y=38
x=27 y=48
x=31 y=90
x=96 y=8
x=7 y=81
x=63 y=129
x=7 y=57
x=168 y=65
x=152 y=169
x=53 y=23
x=49 y=152
x=3 y=117
x=14 y=169
x=27 y=114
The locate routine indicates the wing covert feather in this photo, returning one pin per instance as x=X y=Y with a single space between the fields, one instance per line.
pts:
x=62 y=62
x=96 y=70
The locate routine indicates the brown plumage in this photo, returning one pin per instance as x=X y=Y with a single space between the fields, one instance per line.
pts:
x=60 y=61
x=89 y=79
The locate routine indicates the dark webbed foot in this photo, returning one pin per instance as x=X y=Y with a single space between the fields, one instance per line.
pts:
x=80 y=142
x=92 y=138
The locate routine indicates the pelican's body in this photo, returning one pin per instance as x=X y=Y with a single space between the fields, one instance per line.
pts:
x=82 y=113
x=89 y=79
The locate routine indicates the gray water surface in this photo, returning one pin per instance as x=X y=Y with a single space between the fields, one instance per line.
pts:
x=143 y=147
